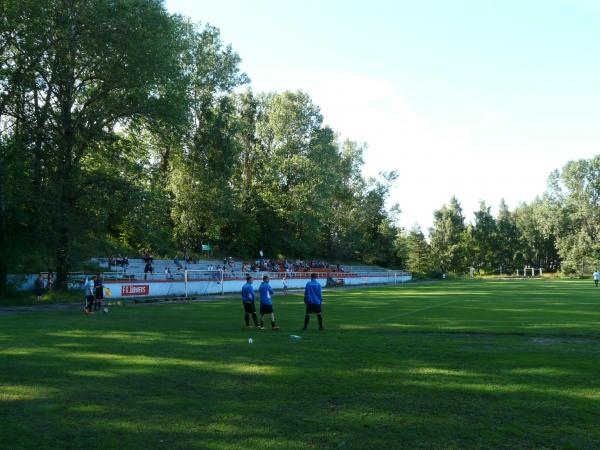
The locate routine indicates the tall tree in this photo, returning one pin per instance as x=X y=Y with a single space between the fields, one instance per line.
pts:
x=98 y=66
x=574 y=200
x=201 y=179
x=507 y=239
x=419 y=254
x=447 y=238
x=484 y=236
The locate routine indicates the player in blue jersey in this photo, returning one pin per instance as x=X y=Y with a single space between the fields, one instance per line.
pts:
x=248 y=302
x=266 y=303
x=313 y=298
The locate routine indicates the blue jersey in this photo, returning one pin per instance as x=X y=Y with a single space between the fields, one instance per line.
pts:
x=248 y=293
x=266 y=291
x=312 y=293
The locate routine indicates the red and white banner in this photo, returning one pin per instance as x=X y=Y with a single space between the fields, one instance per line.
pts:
x=135 y=289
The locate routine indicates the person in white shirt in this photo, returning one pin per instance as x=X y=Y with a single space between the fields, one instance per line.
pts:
x=88 y=288
x=596 y=277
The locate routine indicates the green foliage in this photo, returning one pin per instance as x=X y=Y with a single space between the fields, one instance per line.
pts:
x=119 y=120
x=418 y=251
x=447 y=237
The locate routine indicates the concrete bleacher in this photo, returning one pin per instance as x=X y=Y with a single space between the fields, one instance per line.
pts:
x=137 y=265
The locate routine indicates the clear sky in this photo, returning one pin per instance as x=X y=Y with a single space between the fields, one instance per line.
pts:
x=481 y=99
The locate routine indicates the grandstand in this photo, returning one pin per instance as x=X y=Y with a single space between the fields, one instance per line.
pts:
x=210 y=277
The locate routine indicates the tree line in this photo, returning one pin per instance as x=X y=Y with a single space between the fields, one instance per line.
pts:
x=123 y=126
x=558 y=231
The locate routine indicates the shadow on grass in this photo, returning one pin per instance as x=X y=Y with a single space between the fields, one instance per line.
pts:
x=185 y=377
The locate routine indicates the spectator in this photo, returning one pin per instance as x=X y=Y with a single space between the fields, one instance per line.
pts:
x=39 y=287
x=50 y=280
x=98 y=287
x=88 y=288
x=148 y=269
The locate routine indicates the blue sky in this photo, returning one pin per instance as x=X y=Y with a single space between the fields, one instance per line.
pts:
x=475 y=98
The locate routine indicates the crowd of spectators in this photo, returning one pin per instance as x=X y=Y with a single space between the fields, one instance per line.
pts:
x=289 y=266
x=229 y=269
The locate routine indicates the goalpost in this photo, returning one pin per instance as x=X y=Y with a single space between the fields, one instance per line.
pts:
x=205 y=282
x=530 y=271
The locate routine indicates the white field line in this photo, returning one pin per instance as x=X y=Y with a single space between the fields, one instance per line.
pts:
x=416 y=311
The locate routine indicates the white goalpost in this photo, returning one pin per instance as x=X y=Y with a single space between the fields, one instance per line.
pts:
x=530 y=272
x=209 y=279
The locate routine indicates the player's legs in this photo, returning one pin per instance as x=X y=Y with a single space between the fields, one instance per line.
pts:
x=320 y=319
x=249 y=308
x=273 y=324
x=89 y=304
x=307 y=316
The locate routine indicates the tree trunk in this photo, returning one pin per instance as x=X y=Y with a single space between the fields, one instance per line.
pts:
x=3 y=239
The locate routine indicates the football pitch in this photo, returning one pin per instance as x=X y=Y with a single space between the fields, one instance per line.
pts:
x=482 y=364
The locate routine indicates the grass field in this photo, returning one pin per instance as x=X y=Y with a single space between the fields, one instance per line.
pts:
x=506 y=364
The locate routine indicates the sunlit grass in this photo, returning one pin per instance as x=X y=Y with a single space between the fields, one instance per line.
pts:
x=445 y=365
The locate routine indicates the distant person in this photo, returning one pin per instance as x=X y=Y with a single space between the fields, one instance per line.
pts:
x=98 y=290
x=596 y=277
x=313 y=298
x=147 y=269
x=285 y=285
x=39 y=287
x=49 y=280
x=248 y=299
x=266 y=303
x=88 y=289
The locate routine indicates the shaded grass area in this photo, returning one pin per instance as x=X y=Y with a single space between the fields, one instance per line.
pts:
x=28 y=298
x=448 y=365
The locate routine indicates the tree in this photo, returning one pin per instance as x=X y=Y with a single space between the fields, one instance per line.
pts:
x=573 y=204
x=204 y=165
x=419 y=253
x=97 y=66
x=447 y=238
x=484 y=236
x=507 y=239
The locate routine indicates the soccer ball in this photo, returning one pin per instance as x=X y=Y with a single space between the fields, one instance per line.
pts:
x=105 y=310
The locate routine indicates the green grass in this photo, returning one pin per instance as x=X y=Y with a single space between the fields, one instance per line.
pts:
x=28 y=298
x=479 y=364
